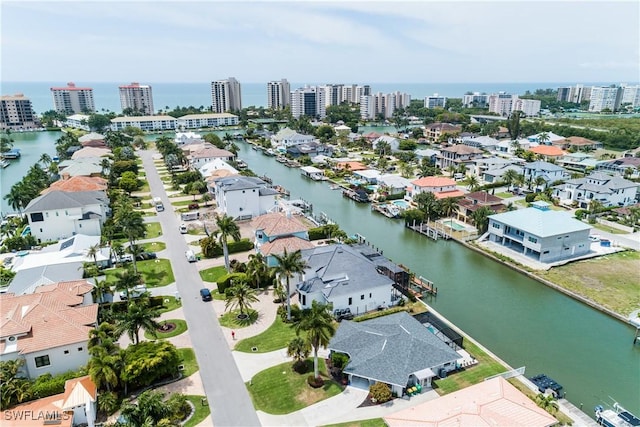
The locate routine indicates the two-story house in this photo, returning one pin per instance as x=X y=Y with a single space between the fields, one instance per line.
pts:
x=457 y=155
x=442 y=187
x=49 y=329
x=243 y=196
x=548 y=171
x=207 y=154
x=540 y=233
x=434 y=131
x=288 y=138
x=340 y=275
x=392 y=143
x=59 y=214
x=277 y=231
x=606 y=189
x=471 y=202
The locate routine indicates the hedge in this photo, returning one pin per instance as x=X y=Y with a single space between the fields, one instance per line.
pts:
x=233 y=247
x=317 y=233
x=224 y=282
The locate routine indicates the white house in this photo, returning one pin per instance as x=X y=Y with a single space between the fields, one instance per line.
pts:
x=78 y=121
x=342 y=276
x=216 y=164
x=49 y=329
x=394 y=144
x=288 y=138
x=312 y=172
x=394 y=183
x=59 y=214
x=486 y=143
x=207 y=154
x=369 y=175
x=186 y=137
x=243 y=196
x=540 y=233
x=480 y=166
x=549 y=171
x=606 y=189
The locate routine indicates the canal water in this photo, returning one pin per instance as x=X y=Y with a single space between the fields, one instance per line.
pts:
x=521 y=320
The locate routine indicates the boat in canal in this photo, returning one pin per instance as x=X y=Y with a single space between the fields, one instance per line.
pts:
x=616 y=417
x=4 y=163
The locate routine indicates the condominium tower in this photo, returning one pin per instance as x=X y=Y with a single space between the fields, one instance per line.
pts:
x=308 y=101
x=435 y=101
x=16 y=112
x=383 y=103
x=278 y=94
x=505 y=104
x=605 y=97
x=225 y=95
x=73 y=100
x=137 y=97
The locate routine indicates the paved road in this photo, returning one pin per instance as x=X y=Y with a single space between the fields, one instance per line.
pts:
x=227 y=395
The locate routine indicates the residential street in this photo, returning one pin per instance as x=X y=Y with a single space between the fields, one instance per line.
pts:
x=228 y=398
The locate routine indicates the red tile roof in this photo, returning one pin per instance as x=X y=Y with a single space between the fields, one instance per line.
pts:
x=291 y=244
x=78 y=183
x=447 y=194
x=434 y=181
x=353 y=166
x=547 y=150
x=278 y=224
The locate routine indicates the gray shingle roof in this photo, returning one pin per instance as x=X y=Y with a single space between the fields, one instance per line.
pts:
x=232 y=183
x=65 y=200
x=543 y=166
x=339 y=270
x=390 y=348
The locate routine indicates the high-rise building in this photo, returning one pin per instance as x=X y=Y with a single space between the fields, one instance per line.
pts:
x=605 y=97
x=475 y=99
x=575 y=94
x=563 y=93
x=278 y=94
x=73 y=100
x=501 y=103
x=309 y=101
x=385 y=104
x=16 y=112
x=226 y=95
x=137 y=97
x=353 y=93
x=435 y=101
x=631 y=95
x=333 y=94
x=530 y=107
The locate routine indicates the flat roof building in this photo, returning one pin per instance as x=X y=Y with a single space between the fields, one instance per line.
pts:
x=226 y=95
x=73 y=100
x=16 y=112
x=136 y=97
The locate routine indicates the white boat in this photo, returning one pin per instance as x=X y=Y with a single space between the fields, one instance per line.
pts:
x=616 y=417
x=334 y=187
x=4 y=163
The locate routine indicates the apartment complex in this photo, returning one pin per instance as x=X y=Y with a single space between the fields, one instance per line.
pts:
x=16 y=112
x=605 y=97
x=475 y=99
x=137 y=97
x=309 y=101
x=73 y=100
x=226 y=95
x=383 y=104
x=353 y=93
x=278 y=94
x=575 y=94
x=435 y=101
x=505 y=104
x=631 y=95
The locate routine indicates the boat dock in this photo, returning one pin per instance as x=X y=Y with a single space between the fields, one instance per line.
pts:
x=421 y=287
x=429 y=231
x=386 y=209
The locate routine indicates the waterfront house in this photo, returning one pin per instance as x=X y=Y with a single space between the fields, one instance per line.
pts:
x=207 y=154
x=605 y=189
x=59 y=214
x=206 y=120
x=146 y=123
x=485 y=143
x=456 y=155
x=394 y=184
x=370 y=176
x=312 y=172
x=311 y=149
x=548 y=171
x=48 y=329
x=288 y=138
x=395 y=349
x=77 y=121
x=494 y=402
x=392 y=142
x=540 y=233
x=547 y=151
x=91 y=152
x=277 y=231
x=243 y=197
x=86 y=166
x=92 y=139
x=75 y=407
x=341 y=276
x=471 y=202
x=351 y=166
x=434 y=131
x=621 y=165
x=77 y=183
x=442 y=187
x=187 y=137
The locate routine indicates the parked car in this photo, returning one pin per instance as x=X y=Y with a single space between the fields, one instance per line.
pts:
x=191 y=257
x=343 y=314
x=136 y=292
x=121 y=260
x=183 y=228
x=205 y=294
x=146 y=255
x=594 y=238
x=193 y=206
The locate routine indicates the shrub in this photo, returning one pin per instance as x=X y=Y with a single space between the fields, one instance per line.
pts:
x=48 y=385
x=211 y=248
x=316 y=233
x=315 y=382
x=296 y=313
x=178 y=406
x=530 y=198
x=380 y=392
x=580 y=213
x=339 y=360
x=224 y=282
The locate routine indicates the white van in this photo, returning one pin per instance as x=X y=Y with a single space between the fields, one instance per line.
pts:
x=183 y=229
x=191 y=257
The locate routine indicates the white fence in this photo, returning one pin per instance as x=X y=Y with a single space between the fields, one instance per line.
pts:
x=509 y=374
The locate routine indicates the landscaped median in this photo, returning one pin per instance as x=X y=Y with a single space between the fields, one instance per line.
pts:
x=154 y=272
x=277 y=336
x=168 y=329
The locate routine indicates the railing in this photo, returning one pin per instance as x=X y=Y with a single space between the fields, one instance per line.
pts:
x=509 y=374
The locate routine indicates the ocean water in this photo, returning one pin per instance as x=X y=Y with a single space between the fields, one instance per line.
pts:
x=107 y=97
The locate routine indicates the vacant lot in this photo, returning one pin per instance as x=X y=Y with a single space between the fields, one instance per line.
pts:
x=612 y=280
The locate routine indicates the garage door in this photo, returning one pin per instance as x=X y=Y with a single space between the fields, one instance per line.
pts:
x=359 y=382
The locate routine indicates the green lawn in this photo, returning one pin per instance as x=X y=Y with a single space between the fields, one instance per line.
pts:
x=608 y=229
x=280 y=390
x=155 y=272
x=504 y=195
x=169 y=304
x=277 y=336
x=154 y=246
x=486 y=367
x=181 y=327
x=154 y=229
x=373 y=422
x=186 y=202
x=144 y=188
x=201 y=412
x=188 y=358
x=230 y=319
x=213 y=274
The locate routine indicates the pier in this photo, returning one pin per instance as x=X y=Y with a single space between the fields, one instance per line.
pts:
x=429 y=231
x=421 y=287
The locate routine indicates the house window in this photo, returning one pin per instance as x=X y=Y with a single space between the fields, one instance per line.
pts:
x=57 y=213
x=362 y=296
x=80 y=225
x=533 y=239
x=350 y=300
x=545 y=252
x=66 y=352
x=494 y=225
x=369 y=294
x=304 y=300
x=42 y=361
x=79 y=348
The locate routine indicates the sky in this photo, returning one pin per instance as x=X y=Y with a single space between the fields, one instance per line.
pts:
x=328 y=41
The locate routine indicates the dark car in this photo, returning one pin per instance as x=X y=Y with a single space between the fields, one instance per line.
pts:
x=343 y=314
x=205 y=294
x=193 y=206
x=146 y=255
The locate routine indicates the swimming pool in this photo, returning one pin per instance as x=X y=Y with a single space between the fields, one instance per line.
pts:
x=401 y=204
x=456 y=226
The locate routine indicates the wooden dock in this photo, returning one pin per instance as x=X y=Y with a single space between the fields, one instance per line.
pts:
x=431 y=232
x=423 y=286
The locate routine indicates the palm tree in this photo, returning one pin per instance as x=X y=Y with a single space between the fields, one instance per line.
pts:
x=481 y=219
x=319 y=326
x=92 y=252
x=103 y=336
x=101 y=288
x=127 y=279
x=449 y=206
x=104 y=368
x=547 y=402
x=150 y=410
x=227 y=228
x=15 y=389
x=257 y=269
x=240 y=296
x=540 y=182
x=406 y=170
x=15 y=198
x=543 y=137
x=428 y=204
x=299 y=349
x=45 y=159
x=139 y=315
x=288 y=265
x=135 y=251
x=509 y=177
x=472 y=182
